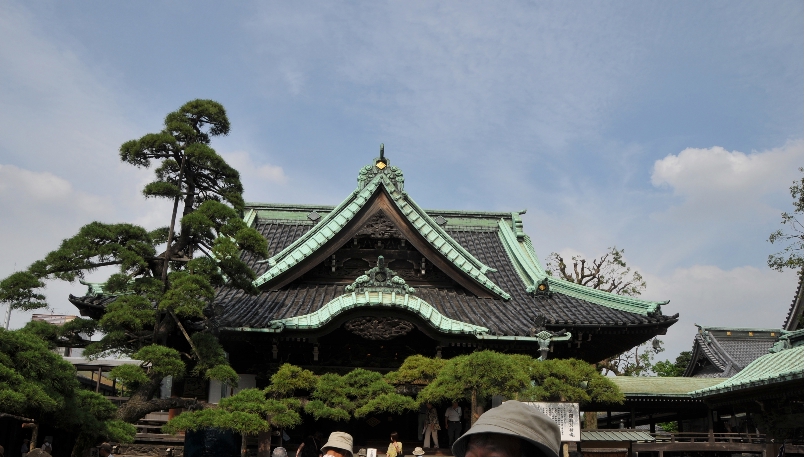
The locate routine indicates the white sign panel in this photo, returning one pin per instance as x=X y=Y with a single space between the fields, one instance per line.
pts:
x=371 y=452
x=566 y=415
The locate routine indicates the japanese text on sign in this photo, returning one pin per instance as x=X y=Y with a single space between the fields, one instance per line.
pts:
x=566 y=415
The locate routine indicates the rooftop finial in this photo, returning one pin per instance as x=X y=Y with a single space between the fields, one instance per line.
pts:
x=382 y=151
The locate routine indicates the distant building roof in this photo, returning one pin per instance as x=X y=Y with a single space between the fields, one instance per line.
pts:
x=783 y=365
x=795 y=317
x=616 y=435
x=645 y=386
x=721 y=352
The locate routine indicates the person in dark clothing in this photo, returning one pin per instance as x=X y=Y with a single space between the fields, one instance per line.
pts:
x=311 y=446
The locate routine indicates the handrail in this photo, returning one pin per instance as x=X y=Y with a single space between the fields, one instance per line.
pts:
x=692 y=437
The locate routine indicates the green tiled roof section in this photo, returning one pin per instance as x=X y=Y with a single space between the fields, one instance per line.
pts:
x=773 y=368
x=615 y=435
x=608 y=299
x=355 y=300
x=660 y=386
x=325 y=230
x=529 y=270
x=455 y=218
x=527 y=265
x=447 y=245
x=250 y=217
x=333 y=222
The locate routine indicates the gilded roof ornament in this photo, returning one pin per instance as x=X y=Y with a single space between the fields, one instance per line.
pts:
x=381 y=166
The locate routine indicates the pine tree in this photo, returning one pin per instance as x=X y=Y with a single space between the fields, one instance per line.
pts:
x=159 y=305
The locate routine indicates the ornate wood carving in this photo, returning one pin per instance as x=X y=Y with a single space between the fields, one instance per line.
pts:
x=378 y=328
x=379 y=226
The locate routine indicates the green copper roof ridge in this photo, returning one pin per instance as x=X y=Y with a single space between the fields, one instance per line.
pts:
x=603 y=298
x=346 y=302
x=532 y=252
x=480 y=275
x=738 y=329
x=276 y=262
x=532 y=274
x=249 y=217
x=529 y=274
x=457 y=246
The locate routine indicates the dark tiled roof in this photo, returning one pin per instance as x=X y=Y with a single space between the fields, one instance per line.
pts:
x=724 y=352
x=513 y=317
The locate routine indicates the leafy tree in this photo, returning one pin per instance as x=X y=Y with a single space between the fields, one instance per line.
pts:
x=165 y=278
x=331 y=396
x=355 y=394
x=416 y=369
x=792 y=255
x=637 y=361
x=252 y=411
x=567 y=380
x=476 y=376
x=609 y=272
x=483 y=374
x=667 y=368
x=37 y=383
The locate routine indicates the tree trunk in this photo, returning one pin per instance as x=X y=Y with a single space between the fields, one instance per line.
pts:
x=142 y=402
x=243 y=445
x=34 y=436
x=474 y=408
x=82 y=443
x=590 y=420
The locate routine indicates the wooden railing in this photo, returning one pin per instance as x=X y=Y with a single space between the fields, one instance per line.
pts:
x=691 y=437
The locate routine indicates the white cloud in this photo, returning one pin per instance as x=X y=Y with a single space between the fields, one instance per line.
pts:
x=243 y=162
x=715 y=174
x=708 y=295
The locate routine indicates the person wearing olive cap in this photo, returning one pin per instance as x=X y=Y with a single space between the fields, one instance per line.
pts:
x=512 y=429
x=339 y=444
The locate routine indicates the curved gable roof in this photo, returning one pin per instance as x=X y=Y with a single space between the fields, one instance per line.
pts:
x=382 y=192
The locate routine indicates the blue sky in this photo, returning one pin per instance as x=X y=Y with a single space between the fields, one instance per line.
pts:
x=671 y=129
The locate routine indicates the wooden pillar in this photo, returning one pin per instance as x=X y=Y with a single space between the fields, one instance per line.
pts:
x=711 y=425
x=97 y=385
x=652 y=423
x=633 y=418
x=608 y=419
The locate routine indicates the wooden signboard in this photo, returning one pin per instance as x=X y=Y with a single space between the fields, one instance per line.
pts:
x=566 y=415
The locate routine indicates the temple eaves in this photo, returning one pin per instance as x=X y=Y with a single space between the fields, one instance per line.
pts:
x=384 y=178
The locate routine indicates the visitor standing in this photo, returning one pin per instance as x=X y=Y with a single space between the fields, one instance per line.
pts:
x=431 y=428
x=26 y=446
x=105 y=450
x=453 y=422
x=422 y=420
x=395 y=448
x=311 y=446
x=47 y=446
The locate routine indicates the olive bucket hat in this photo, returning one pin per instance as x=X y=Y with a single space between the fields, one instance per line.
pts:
x=339 y=440
x=517 y=419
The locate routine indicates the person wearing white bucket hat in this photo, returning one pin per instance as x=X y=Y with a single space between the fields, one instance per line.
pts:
x=512 y=429
x=339 y=444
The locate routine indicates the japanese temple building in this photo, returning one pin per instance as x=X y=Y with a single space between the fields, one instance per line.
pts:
x=377 y=278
